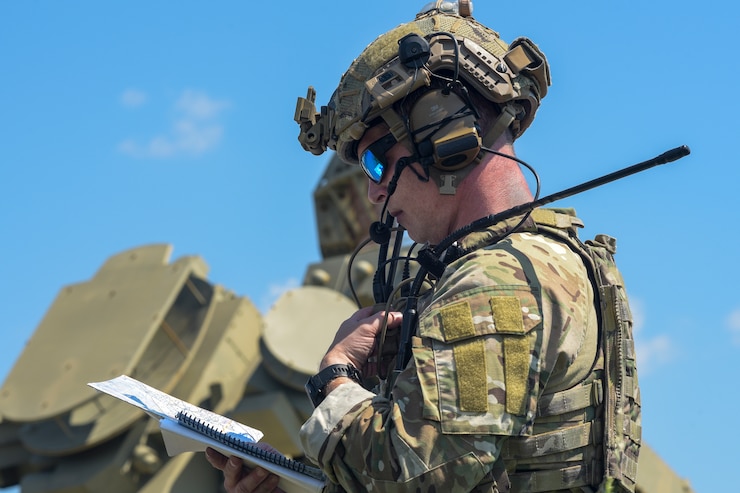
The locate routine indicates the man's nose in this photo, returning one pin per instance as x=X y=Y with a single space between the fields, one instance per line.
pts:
x=376 y=193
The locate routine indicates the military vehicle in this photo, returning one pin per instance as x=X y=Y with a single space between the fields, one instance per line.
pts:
x=167 y=325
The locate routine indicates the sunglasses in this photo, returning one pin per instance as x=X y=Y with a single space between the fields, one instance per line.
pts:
x=373 y=161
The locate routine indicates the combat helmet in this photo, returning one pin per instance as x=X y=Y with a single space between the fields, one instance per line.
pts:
x=443 y=41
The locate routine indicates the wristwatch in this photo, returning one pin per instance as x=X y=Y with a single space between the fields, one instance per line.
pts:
x=317 y=384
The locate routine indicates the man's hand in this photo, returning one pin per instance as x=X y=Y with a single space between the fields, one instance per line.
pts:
x=240 y=479
x=355 y=340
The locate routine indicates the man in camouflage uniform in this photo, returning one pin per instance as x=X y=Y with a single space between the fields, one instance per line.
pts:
x=503 y=390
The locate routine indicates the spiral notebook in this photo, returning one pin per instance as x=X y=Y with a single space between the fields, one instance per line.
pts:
x=189 y=428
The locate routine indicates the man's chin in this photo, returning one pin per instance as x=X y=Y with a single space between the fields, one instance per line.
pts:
x=415 y=237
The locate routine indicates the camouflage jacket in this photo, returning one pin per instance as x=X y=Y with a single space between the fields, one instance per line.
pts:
x=506 y=323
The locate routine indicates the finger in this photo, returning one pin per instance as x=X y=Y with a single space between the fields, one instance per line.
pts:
x=269 y=484
x=216 y=459
x=258 y=480
x=238 y=478
x=394 y=319
x=233 y=471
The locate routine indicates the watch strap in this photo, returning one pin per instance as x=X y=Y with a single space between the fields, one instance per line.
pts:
x=316 y=385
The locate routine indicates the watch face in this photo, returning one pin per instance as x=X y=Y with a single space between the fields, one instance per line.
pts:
x=315 y=388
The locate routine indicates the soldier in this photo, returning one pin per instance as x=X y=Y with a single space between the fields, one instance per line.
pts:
x=506 y=371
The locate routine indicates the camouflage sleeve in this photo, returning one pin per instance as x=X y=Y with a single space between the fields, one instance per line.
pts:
x=341 y=404
x=480 y=361
x=386 y=445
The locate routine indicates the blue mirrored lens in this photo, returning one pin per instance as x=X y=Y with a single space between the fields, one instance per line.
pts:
x=373 y=160
x=372 y=166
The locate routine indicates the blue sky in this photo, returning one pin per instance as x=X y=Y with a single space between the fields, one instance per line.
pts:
x=124 y=124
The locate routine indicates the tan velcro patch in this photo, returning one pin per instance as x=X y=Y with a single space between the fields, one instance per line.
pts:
x=516 y=373
x=507 y=314
x=457 y=321
x=472 y=380
x=545 y=217
x=507 y=317
x=470 y=357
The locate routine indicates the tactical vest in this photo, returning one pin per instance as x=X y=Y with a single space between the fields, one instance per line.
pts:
x=600 y=452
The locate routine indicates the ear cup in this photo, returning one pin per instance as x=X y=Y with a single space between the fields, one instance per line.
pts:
x=444 y=130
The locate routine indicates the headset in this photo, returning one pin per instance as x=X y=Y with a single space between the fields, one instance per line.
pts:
x=454 y=142
x=441 y=122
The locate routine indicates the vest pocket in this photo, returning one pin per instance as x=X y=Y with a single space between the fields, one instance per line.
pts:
x=476 y=360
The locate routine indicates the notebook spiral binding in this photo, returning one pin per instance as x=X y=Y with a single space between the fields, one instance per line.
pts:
x=250 y=448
